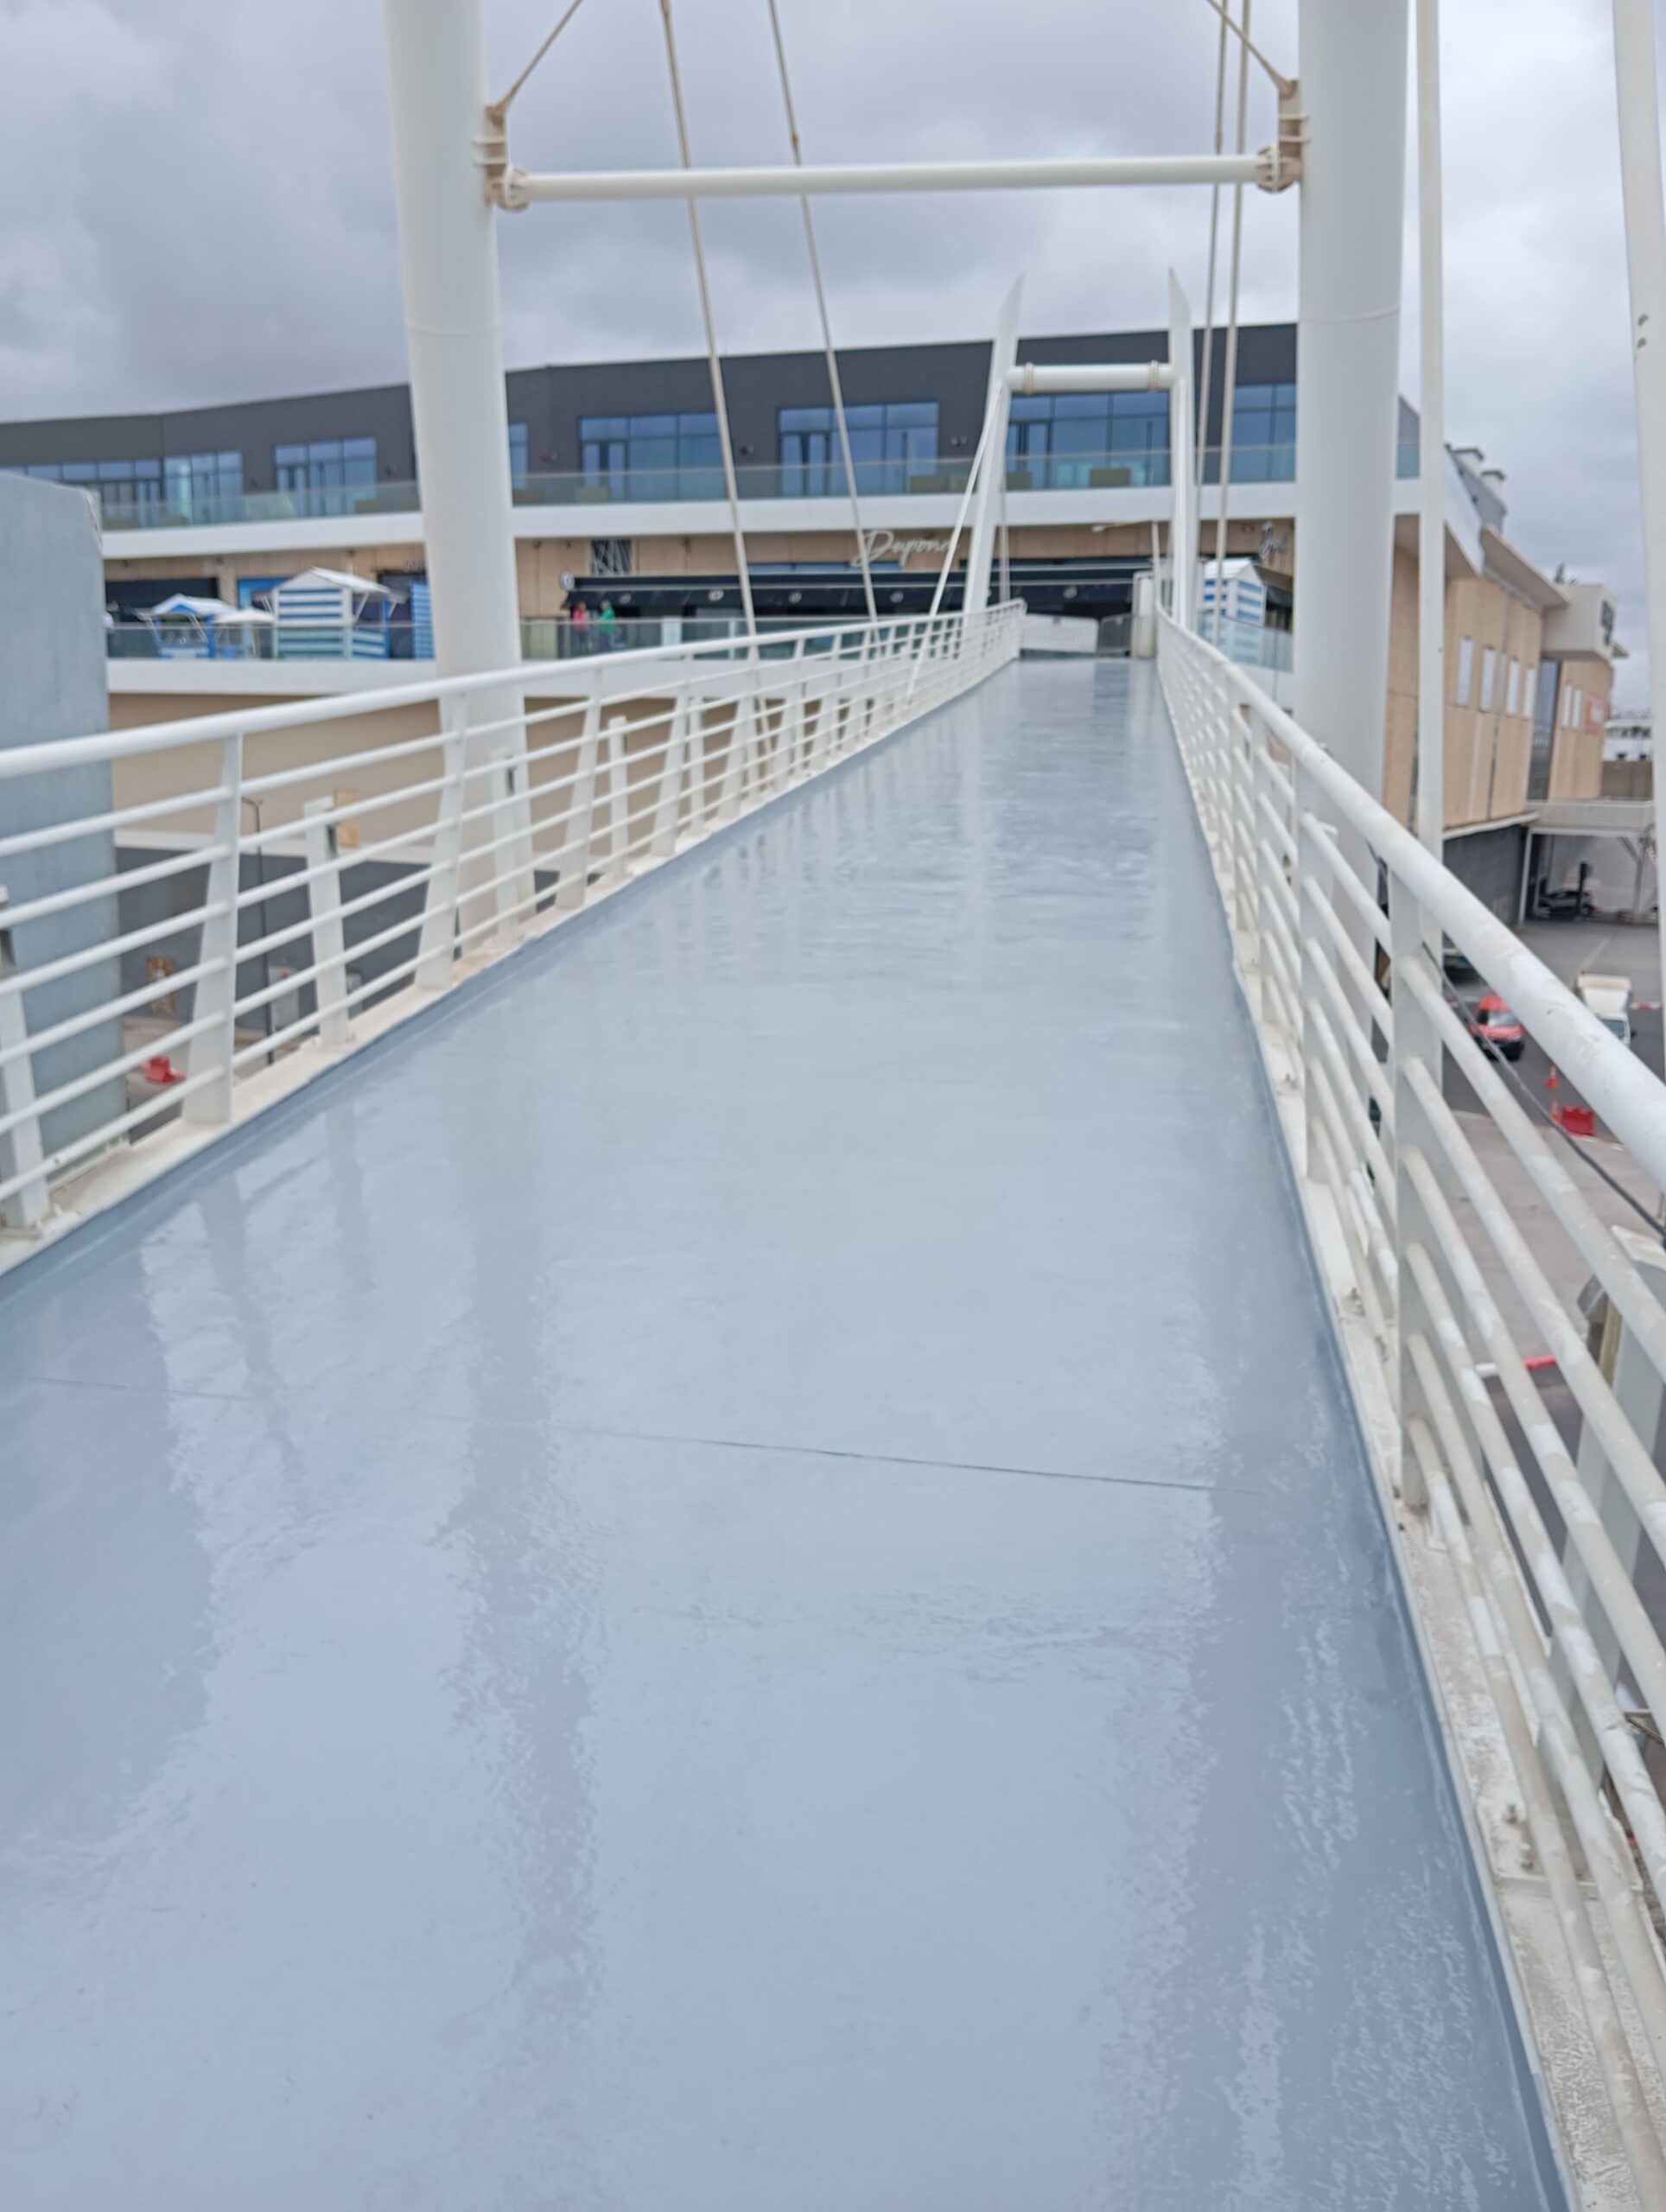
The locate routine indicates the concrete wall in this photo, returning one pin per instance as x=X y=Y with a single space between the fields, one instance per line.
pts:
x=1488 y=748
x=52 y=685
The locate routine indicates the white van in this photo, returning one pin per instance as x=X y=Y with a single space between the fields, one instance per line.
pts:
x=1609 y=998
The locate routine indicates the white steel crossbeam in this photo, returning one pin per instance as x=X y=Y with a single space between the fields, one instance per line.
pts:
x=516 y=187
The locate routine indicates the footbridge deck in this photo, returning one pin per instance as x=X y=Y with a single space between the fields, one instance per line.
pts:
x=738 y=1576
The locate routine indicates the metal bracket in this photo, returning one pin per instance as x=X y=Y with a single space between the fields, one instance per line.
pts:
x=1282 y=164
x=491 y=155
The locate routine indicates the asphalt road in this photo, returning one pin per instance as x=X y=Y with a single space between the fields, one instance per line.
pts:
x=1569 y=948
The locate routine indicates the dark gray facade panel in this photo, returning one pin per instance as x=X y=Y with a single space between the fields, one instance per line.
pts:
x=552 y=402
x=1489 y=862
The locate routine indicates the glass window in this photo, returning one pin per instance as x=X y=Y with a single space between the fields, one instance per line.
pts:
x=518 y=456
x=196 y=481
x=1465 y=668
x=651 y=456
x=1530 y=689
x=325 y=464
x=1489 y=671
x=131 y=490
x=1513 y=687
x=1070 y=439
x=1541 y=693
x=1263 y=433
x=891 y=442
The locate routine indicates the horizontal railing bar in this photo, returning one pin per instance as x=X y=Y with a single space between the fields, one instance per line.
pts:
x=414 y=881
x=1632 y=1465
x=1503 y=1631
x=251 y=1001
x=1595 y=1244
x=1347 y=952
x=298 y=713
x=293 y=831
x=24 y=980
x=147 y=993
x=1626 y=1094
x=1611 y=1586
x=119 y=818
x=96 y=1140
x=155 y=1049
x=1570 y=1632
x=1324 y=838
x=1367 y=1144
x=106 y=886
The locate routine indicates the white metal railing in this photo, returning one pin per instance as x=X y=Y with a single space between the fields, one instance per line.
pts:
x=243 y=884
x=1539 y=1549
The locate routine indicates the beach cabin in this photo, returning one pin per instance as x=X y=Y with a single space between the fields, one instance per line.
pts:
x=330 y=614
x=190 y=628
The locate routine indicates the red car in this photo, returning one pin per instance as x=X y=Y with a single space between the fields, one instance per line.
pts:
x=1496 y=1029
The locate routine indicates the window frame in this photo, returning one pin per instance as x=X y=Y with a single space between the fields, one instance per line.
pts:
x=1466 y=680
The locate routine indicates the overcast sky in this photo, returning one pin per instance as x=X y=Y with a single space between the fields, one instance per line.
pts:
x=198 y=206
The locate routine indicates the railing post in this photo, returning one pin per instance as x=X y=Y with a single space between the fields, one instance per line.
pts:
x=1640 y=1392
x=864 y=689
x=793 y=727
x=20 y=1143
x=512 y=881
x=1269 y=880
x=699 y=800
x=739 y=759
x=818 y=733
x=1241 y=733
x=210 y=1051
x=1312 y=886
x=328 y=942
x=619 y=796
x=1415 y=1038
x=437 y=947
x=572 y=861
x=662 y=843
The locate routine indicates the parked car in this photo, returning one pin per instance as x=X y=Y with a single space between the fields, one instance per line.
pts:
x=1496 y=1029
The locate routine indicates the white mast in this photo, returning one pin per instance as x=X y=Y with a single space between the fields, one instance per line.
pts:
x=1645 y=266
x=1432 y=446
x=448 y=255
x=1353 y=87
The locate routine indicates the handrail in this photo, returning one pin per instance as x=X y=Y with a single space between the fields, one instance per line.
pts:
x=1627 y=1096
x=525 y=675
x=278 y=939
x=1546 y=1623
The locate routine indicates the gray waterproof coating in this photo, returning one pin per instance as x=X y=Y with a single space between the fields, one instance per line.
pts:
x=737 y=1577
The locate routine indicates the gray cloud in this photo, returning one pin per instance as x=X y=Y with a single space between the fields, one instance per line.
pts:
x=200 y=205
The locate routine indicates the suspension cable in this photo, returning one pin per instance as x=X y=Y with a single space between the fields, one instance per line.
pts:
x=1284 y=84
x=499 y=109
x=826 y=329
x=960 y=518
x=719 y=396
x=1202 y=441
x=1230 y=382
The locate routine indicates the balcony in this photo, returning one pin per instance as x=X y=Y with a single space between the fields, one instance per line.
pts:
x=544 y=638
x=632 y=488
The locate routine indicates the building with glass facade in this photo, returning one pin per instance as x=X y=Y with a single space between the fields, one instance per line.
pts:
x=617 y=480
